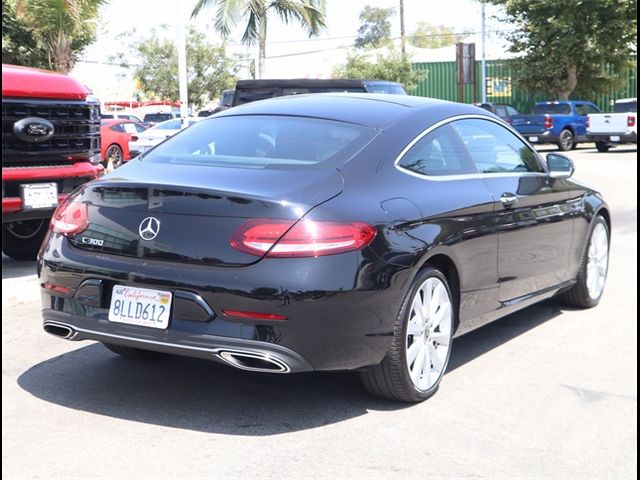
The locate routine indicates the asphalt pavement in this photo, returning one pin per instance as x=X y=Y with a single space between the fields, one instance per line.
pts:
x=548 y=392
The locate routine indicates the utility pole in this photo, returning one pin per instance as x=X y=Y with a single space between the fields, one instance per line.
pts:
x=182 y=63
x=484 y=60
x=402 y=44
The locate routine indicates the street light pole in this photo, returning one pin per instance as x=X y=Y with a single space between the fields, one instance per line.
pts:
x=402 y=41
x=182 y=63
x=484 y=61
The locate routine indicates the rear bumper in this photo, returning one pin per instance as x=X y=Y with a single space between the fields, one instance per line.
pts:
x=67 y=177
x=340 y=310
x=606 y=137
x=541 y=138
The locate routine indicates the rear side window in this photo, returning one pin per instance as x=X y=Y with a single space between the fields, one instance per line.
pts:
x=552 y=109
x=501 y=111
x=157 y=117
x=511 y=111
x=263 y=141
x=494 y=149
x=440 y=152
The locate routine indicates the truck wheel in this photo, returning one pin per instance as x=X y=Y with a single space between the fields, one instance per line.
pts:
x=21 y=240
x=602 y=146
x=566 y=141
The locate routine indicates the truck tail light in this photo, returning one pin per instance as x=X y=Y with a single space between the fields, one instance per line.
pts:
x=281 y=238
x=631 y=121
x=588 y=122
x=70 y=218
x=548 y=122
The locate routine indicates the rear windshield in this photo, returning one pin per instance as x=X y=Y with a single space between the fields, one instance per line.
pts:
x=157 y=117
x=552 y=109
x=262 y=141
x=385 y=88
x=624 y=107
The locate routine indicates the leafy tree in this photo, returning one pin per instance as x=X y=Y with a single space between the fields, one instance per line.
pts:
x=155 y=67
x=564 y=44
x=393 y=66
x=434 y=36
x=375 y=30
x=19 y=45
x=308 y=13
x=63 y=28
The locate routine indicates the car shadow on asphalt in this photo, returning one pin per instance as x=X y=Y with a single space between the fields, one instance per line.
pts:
x=205 y=396
x=17 y=268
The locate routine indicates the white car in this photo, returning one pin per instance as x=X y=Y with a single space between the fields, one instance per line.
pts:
x=153 y=136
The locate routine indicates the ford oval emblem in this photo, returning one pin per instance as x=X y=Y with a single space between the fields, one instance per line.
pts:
x=33 y=129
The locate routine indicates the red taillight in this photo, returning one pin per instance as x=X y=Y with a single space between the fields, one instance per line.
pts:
x=305 y=239
x=588 y=122
x=548 y=122
x=133 y=138
x=253 y=315
x=70 y=218
x=631 y=121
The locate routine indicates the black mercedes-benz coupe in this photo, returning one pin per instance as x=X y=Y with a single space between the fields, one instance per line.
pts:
x=323 y=232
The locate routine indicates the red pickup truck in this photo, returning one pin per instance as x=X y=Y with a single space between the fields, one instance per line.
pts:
x=50 y=145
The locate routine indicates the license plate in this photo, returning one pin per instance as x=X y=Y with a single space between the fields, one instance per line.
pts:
x=140 y=306
x=39 y=195
x=533 y=139
x=614 y=138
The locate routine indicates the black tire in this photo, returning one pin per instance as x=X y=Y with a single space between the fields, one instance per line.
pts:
x=566 y=140
x=115 y=152
x=603 y=147
x=22 y=240
x=132 y=353
x=578 y=296
x=390 y=379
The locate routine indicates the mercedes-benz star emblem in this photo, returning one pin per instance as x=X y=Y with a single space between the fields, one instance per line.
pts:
x=149 y=228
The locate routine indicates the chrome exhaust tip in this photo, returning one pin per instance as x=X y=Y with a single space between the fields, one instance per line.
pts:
x=59 y=330
x=254 y=361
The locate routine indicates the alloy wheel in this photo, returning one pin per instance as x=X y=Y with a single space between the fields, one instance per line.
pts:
x=428 y=337
x=597 y=261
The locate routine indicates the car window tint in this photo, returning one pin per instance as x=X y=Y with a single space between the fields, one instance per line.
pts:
x=552 y=109
x=592 y=109
x=169 y=125
x=139 y=128
x=581 y=110
x=385 y=88
x=494 y=149
x=440 y=152
x=157 y=117
x=621 y=107
x=117 y=128
x=511 y=111
x=263 y=141
x=501 y=111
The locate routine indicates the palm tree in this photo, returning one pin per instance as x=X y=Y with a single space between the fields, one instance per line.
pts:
x=308 y=13
x=65 y=27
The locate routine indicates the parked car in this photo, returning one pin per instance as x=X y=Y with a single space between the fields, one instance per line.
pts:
x=121 y=116
x=50 y=145
x=153 y=119
x=140 y=143
x=563 y=123
x=617 y=128
x=115 y=136
x=251 y=90
x=503 y=110
x=324 y=232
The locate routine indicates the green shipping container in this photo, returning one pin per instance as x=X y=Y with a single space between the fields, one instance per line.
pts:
x=440 y=82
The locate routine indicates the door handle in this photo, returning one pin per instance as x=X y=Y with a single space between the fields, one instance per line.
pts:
x=508 y=200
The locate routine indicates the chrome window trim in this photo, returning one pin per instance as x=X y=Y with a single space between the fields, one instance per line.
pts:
x=468 y=176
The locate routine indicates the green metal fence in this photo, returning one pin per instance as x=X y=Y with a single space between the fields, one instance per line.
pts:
x=440 y=82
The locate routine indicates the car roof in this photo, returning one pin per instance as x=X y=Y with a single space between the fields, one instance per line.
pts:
x=368 y=109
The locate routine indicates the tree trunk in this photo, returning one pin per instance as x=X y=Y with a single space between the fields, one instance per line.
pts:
x=572 y=83
x=262 y=45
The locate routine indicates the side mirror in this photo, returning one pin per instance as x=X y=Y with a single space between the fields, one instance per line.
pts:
x=560 y=166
